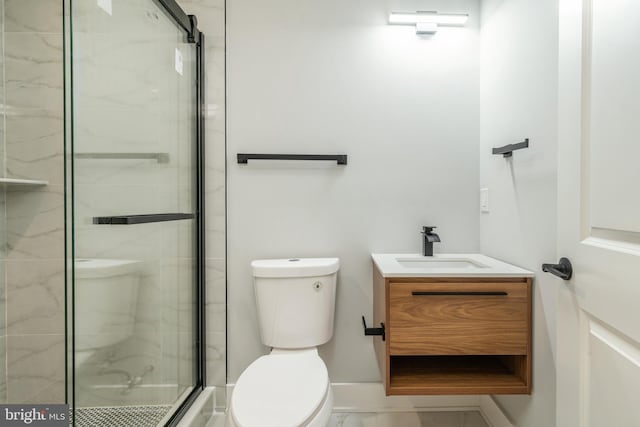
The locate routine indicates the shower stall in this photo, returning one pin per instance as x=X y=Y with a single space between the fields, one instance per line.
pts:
x=135 y=211
x=102 y=271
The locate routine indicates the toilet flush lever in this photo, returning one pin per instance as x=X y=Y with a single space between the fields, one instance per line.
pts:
x=373 y=331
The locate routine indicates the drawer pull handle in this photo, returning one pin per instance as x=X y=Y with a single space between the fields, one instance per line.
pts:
x=475 y=294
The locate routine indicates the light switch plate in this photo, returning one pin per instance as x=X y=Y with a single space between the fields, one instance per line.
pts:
x=484 y=200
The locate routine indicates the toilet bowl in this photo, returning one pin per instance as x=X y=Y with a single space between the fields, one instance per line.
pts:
x=290 y=386
x=285 y=388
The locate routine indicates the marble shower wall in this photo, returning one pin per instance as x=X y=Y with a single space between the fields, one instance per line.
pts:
x=32 y=365
x=33 y=220
x=211 y=21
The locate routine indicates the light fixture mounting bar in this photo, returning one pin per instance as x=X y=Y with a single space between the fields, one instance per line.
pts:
x=431 y=17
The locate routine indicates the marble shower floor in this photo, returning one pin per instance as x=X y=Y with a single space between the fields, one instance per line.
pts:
x=394 y=419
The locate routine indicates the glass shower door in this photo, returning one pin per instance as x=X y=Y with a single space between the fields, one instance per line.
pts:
x=136 y=252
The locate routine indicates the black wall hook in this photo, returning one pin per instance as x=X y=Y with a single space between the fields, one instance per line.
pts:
x=507 y=150
x=373 y=331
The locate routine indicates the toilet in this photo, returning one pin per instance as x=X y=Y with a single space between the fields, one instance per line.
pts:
x=290 y=386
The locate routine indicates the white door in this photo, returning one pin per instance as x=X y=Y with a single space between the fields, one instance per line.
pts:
x=598 y=367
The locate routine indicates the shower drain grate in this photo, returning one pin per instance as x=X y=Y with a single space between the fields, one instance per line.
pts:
x=121 y=416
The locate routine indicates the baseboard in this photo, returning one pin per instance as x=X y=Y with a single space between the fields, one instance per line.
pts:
x=370 y=397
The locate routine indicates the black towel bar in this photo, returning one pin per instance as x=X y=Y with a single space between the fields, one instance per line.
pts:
x=340 y=159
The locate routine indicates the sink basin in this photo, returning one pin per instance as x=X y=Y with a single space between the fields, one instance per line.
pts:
x=445 y=265
x=439 y=263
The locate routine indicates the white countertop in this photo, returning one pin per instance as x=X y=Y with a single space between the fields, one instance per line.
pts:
x=462 y=265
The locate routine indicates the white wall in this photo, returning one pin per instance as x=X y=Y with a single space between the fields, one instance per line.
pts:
x=333 y=77
x=519 y=100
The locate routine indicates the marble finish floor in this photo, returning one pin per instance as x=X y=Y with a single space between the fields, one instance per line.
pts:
x=394 y=419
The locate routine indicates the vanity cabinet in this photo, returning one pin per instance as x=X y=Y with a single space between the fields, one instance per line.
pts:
x=453 y=335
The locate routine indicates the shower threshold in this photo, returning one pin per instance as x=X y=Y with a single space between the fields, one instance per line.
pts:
x=122 y=416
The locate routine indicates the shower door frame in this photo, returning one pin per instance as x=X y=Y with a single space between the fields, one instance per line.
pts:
x=189 y=24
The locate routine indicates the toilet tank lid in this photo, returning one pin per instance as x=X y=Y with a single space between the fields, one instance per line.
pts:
x=295 y=267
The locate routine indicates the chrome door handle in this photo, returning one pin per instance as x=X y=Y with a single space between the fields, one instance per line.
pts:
x=563 y=269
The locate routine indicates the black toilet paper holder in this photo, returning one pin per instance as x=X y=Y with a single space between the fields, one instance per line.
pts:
x=373 y=331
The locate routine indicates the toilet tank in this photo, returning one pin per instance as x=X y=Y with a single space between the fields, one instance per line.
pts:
x=295 y=300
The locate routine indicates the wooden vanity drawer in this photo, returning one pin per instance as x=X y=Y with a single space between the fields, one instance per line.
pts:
x=458 y=318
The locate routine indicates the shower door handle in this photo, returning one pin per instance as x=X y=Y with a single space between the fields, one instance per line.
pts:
x=141 y=219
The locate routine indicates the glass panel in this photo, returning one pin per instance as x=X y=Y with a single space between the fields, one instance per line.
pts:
x=134 y=153
x=3 y=231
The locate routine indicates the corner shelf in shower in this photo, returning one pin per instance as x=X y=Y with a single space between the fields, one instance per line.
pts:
x=14 y=182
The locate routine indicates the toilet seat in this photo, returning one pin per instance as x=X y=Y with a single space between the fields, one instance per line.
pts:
x=283 y=389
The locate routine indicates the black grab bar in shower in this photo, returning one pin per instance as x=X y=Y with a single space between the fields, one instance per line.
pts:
x=340 y=159
x=158 y=157
x=140 y=219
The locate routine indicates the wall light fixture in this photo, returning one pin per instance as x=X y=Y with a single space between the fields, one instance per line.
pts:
x=428 y=22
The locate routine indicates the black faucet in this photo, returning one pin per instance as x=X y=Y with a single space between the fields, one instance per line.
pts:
x=428 y=237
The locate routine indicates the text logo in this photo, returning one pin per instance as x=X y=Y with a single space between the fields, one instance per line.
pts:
x=34 y=415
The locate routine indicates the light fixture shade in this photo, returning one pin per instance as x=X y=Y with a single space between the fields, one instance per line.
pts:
x=441 y=19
